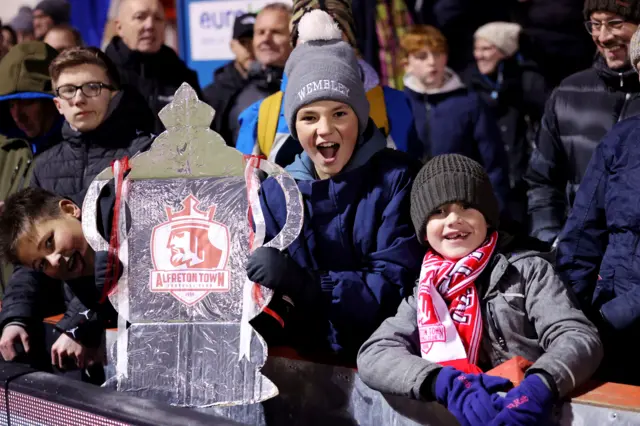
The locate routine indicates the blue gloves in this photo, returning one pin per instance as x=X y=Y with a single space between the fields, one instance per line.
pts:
x=469 y=396
x=528 y=404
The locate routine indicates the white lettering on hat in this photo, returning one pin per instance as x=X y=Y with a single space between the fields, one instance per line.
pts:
x=314 y=86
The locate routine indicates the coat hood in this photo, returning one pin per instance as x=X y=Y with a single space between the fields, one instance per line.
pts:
x=24 y=72
x=451 y=83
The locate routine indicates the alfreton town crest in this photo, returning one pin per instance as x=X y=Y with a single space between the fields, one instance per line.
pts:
x=190 y=253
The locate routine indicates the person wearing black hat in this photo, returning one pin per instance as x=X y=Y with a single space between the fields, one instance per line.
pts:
x=482 y=297
x=229 y=80
x=580 y=112
x=49 y=13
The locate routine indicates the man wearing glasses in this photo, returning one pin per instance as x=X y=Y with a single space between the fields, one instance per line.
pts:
x=581 y=110
x=103 y=122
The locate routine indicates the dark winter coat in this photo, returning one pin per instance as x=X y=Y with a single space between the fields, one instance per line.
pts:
x=227 y=83
x=67 y=169
x=357 y=237
x=578 y=114
x=598 y=247
x=455 y=120
x=156 y=76
x=516 y=94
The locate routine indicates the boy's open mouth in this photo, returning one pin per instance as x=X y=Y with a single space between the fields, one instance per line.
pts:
x=456 y=236
x=328 y=150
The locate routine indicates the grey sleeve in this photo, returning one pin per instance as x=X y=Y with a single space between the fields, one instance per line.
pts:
x=390 y=361
x=573 y=349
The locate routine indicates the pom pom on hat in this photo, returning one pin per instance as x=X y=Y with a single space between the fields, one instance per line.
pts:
x=318 y=25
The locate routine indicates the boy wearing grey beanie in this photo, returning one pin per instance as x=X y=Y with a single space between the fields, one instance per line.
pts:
x=357 y=249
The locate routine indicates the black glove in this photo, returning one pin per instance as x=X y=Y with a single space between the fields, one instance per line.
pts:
x=275 y=270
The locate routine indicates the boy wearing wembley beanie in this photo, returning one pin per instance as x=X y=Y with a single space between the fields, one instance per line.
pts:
x=346 y=271
x=481 y=299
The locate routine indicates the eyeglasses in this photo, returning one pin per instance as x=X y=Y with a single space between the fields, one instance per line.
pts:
x=613 y=25
x=90 y=90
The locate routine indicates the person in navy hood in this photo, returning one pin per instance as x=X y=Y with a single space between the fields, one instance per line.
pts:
x=356 y=254
x=450 y=119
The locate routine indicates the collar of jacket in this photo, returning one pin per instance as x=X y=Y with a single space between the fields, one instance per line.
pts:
x=370 y=143
x=508 y=250
x=624 y=80
x=164 y=59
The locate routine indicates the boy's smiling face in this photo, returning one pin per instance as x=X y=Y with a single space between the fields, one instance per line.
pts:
x=328 y=132
x=56 y=246
x=454 y=230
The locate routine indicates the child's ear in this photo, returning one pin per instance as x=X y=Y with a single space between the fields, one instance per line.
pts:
x=68 y=207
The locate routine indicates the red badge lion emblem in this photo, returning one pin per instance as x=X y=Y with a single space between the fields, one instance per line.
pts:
x=189 y=253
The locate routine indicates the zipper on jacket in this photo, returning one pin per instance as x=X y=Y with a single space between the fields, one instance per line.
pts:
x=85 y=165
x=427 y=143
x=621 y=79
x=624 y=106
x=24 y=174
x=14 y=174
x=496 y=328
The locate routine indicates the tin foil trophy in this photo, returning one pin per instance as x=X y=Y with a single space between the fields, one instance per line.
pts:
x=188 y=216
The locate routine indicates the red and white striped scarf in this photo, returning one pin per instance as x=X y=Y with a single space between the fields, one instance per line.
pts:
x=449 y=317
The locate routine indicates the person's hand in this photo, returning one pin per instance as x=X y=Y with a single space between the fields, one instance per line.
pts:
x=66 y=348
x=11 y=335
x=469 y=396
x=272 y=268
x=530 y=403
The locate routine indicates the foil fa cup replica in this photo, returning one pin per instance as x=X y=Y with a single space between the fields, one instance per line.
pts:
x=186 y=217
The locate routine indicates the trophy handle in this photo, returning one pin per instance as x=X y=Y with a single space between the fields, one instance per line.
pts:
x=293 y=199
x=89 y=217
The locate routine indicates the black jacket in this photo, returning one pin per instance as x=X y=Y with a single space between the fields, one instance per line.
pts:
x=516 y=94
x=578 y=114
x=156 y=76
x=227 y=83
x=67 y=169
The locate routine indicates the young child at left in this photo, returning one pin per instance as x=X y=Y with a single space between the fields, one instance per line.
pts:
x=43 y=231
x=482 y=298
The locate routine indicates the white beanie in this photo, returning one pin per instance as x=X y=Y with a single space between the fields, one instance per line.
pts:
x=503 y=35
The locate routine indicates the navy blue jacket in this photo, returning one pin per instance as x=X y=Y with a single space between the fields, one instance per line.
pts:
x=357 y=237
x=459 y=122
x=600 y=238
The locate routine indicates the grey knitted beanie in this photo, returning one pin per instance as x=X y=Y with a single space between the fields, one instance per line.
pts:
x=323 y=68
x=449 y=178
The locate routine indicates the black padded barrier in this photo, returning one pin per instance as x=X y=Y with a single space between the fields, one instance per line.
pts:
x=32 y=398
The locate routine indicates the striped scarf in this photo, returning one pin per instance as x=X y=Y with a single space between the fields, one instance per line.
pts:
x=449 y=316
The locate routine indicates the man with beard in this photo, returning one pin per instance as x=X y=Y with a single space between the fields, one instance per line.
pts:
x=142 y=58
x=580 y=112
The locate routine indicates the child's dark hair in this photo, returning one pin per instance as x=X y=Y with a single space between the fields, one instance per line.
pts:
x=19 y=212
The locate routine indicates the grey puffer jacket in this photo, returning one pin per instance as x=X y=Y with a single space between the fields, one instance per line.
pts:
x=527 y=311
